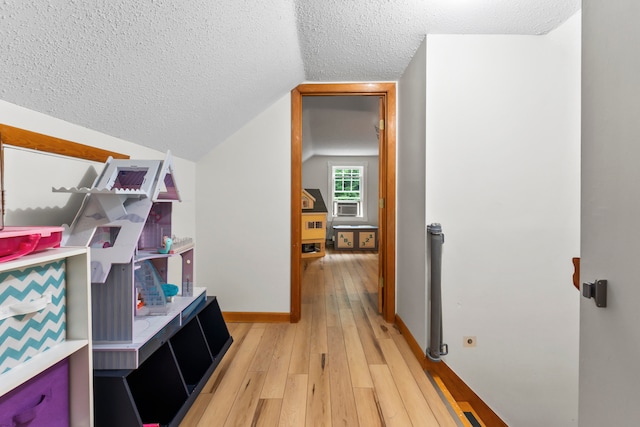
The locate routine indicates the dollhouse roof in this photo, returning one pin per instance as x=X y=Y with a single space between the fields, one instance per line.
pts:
x=307 y=200
x=134 y=178
x=116 y=208
x=319 y=205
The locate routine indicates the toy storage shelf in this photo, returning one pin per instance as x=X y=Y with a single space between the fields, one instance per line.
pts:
x=163 y=388
x=77 y=345
x=355 y=237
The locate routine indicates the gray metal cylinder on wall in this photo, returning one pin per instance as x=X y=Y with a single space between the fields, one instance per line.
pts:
x=436 y=348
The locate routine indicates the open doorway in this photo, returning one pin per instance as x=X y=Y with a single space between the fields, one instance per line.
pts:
x=340 y=152
x=384 y=95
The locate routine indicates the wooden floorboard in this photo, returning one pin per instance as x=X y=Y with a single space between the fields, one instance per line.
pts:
x=414 y=402
x=369 y=411
x=231 y=383
x=247 y=399
x=341 y=365
x=358 y=367
x=318 y=392
x=301 y=343
x=343 y=404
x=391 y=403
x=267 y=413
x=277 y=375
x=294 y=403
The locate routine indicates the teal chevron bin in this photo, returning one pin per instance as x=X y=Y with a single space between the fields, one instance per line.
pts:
x=32 y=312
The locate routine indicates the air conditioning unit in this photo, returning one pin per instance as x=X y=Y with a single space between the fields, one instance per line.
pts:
x=347 y=209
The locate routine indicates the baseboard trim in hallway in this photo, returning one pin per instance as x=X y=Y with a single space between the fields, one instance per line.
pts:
x=460 y=392
x=255 y=317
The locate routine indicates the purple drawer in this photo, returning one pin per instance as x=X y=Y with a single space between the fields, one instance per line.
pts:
x=41 y=401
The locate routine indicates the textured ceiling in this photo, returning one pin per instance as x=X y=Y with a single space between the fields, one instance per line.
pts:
x=186 y=74
x=375 y=40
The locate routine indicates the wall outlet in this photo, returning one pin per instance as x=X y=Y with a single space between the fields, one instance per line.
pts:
x=468 y=341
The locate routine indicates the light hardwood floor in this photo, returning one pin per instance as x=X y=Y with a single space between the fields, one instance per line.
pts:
x=341 y=365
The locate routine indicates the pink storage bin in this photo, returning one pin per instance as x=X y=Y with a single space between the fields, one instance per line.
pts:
x=19 y=241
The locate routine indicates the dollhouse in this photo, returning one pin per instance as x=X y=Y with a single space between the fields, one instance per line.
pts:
x=124 y=219
x=314 y=223
x=152 y=351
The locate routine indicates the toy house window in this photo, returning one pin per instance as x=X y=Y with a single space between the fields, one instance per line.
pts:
x=168 y=191
x=129 y=179
x=104 y=237
x=123 y=176
x=347 y=191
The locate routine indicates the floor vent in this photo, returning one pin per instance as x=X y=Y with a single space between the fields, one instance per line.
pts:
x=472 y=419
x=470 y=414
x=463 y=410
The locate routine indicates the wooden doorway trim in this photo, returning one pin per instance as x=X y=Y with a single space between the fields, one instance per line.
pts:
x=387 y=166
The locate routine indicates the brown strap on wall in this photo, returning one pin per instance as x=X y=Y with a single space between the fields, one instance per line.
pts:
x=576 y=272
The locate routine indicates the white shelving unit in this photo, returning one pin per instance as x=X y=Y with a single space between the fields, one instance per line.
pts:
x=77 y=345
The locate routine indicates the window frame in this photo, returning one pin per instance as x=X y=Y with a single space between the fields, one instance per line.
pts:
x=362 y=203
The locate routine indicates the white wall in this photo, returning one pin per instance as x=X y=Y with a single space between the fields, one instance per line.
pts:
x=610 y=337
x=243 y=215
x=315 y=174
x=411 y=297
x=503 y=153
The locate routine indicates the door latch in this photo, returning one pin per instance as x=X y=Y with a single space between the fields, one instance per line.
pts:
x=596 y=290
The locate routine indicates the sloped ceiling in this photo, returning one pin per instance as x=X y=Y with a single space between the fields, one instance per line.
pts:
x=339 y=126
x=187 y=74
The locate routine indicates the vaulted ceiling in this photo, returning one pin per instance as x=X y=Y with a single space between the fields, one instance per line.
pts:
x=186 y=74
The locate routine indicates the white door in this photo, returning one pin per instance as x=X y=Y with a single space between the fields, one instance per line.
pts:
x=610 y=228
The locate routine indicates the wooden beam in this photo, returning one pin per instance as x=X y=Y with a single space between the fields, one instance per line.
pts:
x=17 y=137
